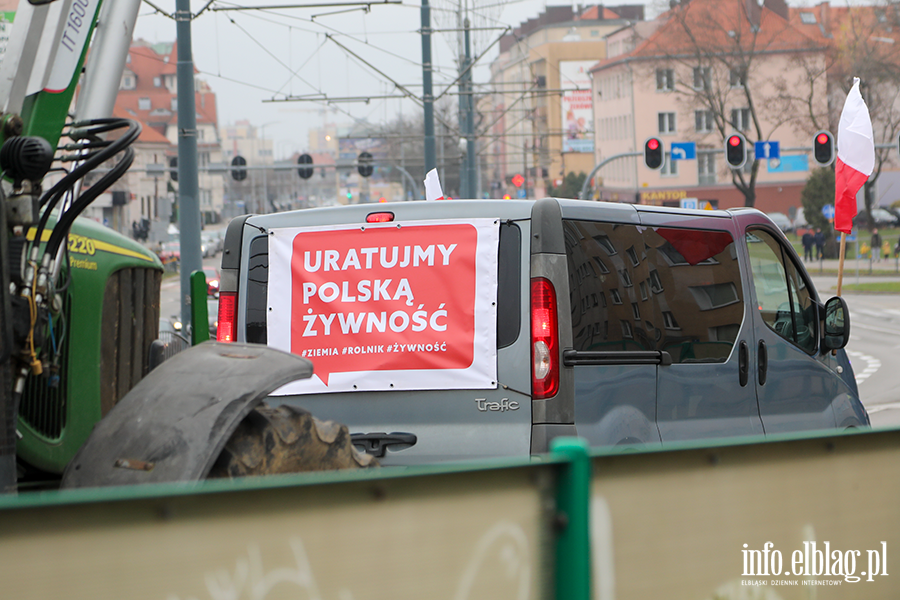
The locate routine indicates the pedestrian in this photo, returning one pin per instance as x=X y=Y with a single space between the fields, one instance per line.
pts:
x=820 y=244
x=876 y=245
x=808 y=241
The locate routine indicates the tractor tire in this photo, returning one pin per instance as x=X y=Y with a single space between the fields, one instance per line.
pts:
x=287 y=440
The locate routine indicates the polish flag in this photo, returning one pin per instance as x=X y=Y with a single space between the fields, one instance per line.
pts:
x=855 y=157
x=433 y=189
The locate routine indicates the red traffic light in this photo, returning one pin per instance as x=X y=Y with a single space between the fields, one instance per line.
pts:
x=823 y=148
x=735 y=150
x=653 y=154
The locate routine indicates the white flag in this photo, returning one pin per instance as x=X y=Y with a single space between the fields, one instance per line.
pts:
x=433 y=189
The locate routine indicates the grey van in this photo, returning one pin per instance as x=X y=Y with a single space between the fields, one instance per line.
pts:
x=620 y=323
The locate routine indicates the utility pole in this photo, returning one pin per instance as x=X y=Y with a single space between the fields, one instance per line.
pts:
x=467 y=106
x=427 y=91
x=188 y=185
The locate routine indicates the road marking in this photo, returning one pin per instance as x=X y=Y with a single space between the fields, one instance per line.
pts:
x=872 y=365
x=880 y=329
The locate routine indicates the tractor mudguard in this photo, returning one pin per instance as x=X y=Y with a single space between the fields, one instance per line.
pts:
x=173 y=424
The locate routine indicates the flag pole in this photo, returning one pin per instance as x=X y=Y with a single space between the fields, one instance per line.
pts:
x=841 y=262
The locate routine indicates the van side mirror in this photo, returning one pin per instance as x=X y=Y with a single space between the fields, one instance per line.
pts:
x=837 y=323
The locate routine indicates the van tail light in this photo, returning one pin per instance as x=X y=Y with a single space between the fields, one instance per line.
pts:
x=544 y=340
x=226 y=326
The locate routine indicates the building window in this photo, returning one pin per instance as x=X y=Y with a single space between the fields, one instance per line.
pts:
x=738 y=77
x=144 y=104
x=669 y=320
x=740 y=118
x=808 y=18
x=632 y=254
x=666 y=122
x=715 y=295
x=157 y=81
x=703 y=121
x=706 y=168
x=701 y=78
x=665 y=80
x=670 y=167
x=128 y=82
x=174 y=104
x=627 y=331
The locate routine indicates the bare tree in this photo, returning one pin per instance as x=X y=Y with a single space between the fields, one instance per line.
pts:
x=865 y=47
x=717 y=46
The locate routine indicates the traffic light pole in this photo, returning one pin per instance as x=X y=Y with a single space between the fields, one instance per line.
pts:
x=467 y=114
x=587 y=180
x=188 y=184
x=427 y=91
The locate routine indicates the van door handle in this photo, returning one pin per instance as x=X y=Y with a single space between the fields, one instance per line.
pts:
x=744 y=362
x=377 y=444
x=762 y=361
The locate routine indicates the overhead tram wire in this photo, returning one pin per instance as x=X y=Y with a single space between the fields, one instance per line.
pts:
x=340 y=33
x=411 y=96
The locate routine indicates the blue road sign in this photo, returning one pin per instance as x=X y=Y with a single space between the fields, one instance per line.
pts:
x=684 y=151
x=766 y=150
x=520 y=193
x=828 y=211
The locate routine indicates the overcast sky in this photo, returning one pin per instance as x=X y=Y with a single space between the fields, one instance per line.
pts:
x=251 y=57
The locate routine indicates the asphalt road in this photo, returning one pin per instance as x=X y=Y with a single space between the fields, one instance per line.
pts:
x=873 y=347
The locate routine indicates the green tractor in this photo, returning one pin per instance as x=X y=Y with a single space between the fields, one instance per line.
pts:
x=99 y=341
x=85 y=399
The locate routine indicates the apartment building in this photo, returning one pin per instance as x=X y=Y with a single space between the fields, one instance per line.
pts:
x=699 y=72
x=148 y=92
x=539 y=120
x=144 y=192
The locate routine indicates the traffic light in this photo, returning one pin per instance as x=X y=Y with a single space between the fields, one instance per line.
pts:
x=364 y=164
x=305 y=172
x=238 y=173
x=653 y=153
x=736 y=150
x=173 y=168
x=823 y=148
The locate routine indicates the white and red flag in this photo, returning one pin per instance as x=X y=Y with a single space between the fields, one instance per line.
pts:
x=433 y=189
x=855 y=157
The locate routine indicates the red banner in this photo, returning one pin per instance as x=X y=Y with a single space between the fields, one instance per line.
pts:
x=384 y=299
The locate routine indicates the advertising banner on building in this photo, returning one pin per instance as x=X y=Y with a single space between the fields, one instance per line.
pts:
x=577 y=106
x=392 y=306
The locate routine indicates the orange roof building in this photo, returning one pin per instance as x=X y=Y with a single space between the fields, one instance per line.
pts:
x=699 y=72
x=148 y=92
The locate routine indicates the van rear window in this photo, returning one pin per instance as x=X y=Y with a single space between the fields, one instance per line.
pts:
x=508 y=287
x=635 y=288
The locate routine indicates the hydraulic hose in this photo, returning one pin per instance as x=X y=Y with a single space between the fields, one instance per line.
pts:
x=93 y=160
